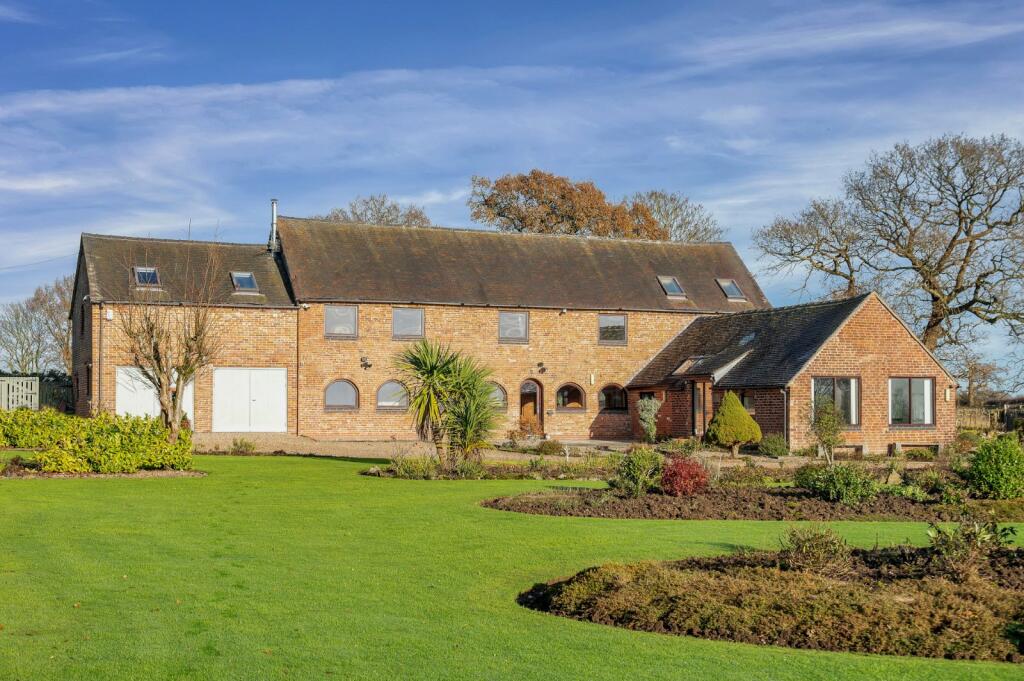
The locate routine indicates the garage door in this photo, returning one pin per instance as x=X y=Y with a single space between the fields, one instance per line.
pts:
x=135 y=396
x=250 y=400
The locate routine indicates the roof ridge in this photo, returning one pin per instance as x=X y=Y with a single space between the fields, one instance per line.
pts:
x=784 y=308
x=121 y=237
x=495 y=232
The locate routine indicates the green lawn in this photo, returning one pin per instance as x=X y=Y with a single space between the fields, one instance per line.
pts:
x=300 y=568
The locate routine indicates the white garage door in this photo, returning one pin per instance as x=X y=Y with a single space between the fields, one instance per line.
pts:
x=135 y=396
x=250 y=400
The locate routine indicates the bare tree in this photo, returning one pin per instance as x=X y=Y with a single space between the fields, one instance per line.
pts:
x=682 y=219
x=378 y=209
x=939 y=227
x=171 y=343
x=22 y=339
x=52 y=302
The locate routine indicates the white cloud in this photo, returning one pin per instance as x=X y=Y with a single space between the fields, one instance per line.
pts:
x=137 y=54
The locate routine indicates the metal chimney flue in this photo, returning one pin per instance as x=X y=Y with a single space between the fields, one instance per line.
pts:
x=272 y=244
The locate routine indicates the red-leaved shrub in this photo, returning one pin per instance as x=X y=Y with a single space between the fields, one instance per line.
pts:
x=683 y=476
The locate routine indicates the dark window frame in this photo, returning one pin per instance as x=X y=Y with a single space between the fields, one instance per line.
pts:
x=514 y=340
x=503 y=405
x=342 y=336
x=910 y=401
x=662 y=278
x=389 y=408
x=746 y=395
x=236 y=275
x=625 y=328
x=423 y=324
x=145 y=268
x=834 y=378
x=613 y=410
x=722 y=283
x=340 y=407
x=583 y=397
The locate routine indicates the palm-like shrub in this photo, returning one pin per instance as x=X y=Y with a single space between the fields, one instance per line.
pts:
x=471 y=413
x=732 y=425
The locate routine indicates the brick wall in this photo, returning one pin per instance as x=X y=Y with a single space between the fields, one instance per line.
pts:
x=564 y=343
x=874 y=346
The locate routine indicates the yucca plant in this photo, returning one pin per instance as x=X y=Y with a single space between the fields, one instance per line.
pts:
x=428 y=371
x=472 y=413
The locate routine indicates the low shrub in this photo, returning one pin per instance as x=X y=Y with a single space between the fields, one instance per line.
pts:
x=774 y=446
x=240 y=445
x=815 y=549
x=996 y=470
x=550 y=448
x=931 y=480
x=470 y=469
x=639 y=472
x=967 y=440
x=919 y=454
x=682 y=476
x=414 y=467
x=680 y=446
x=912 y=492
x=744 y=476
x=28 y=429
x=845 y=483
x=960 y=551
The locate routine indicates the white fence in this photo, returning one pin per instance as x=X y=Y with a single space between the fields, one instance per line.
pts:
x=17 y=393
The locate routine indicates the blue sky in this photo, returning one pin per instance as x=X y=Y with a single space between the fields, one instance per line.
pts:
x=137 y=118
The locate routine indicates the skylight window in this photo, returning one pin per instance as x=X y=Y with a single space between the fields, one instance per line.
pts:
x=731 y=289
x=146 y=276
x=671 y=287
x=245 y=282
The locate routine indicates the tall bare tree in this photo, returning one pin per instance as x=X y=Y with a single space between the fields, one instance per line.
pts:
x=378 y=209
x=23 y=348
x=684 y=220
x=171 y=343
x=52 y=302
x=939 y=227
x=544 y=203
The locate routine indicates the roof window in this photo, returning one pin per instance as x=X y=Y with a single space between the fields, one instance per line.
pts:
x=671 y=287
x=245 y=282
x=146 y=276
x=731 y=289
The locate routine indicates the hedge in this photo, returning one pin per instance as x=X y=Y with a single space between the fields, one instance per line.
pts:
x=102 y=444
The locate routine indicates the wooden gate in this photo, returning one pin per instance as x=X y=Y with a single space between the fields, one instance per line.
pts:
x=19 y=393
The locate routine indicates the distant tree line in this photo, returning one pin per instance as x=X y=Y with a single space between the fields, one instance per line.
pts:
x=35 y=335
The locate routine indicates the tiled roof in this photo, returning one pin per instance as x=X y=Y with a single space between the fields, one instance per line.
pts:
x=771 y=346
x=183 y=266
x=363 y=263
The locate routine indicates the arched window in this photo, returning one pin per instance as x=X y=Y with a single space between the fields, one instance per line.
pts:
x=341 y=395
x=392 y=395
x=499 y=396
x=612 y=398
x=570 y=396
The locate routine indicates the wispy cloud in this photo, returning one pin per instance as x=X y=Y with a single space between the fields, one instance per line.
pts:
x=134 y=55
x=16 y=15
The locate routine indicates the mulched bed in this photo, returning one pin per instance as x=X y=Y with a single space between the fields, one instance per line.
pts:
x=891 y=601
x=744 y=503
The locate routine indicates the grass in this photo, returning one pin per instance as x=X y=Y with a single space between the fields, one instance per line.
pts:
x=300 y=568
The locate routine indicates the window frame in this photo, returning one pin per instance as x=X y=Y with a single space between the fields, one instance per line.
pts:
x=336 y=408
x=423 y=323
x=746 y=396
x=722 y=283
x=611 y=410
x=136 y=269
x=859 y=400
x=391 y=408
x=910 y=402
x=503 y=405
x=662 y=278
x=342 y=336
x=514 y=340
x=625 y=328
x=583 y=397
x=235 y=276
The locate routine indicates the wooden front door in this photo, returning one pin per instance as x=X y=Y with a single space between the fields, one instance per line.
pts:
x=531 y=408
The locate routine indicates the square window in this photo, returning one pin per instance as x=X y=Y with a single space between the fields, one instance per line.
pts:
x=513 y=327
x=671 y=287
x=341 y=321
x=146 y=276
x=910 y=401
x=731 y=289
x=611 y=329
x=244 y=282
x=843 y=393
x=407 y=322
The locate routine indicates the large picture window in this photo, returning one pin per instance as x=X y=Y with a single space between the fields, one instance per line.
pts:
x=844 y=392
x=911 y=401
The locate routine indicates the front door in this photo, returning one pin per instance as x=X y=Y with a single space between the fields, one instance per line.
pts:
x=531 y=408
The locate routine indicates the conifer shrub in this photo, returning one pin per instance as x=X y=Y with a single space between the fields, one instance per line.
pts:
x=732 y=426
x=647 y=413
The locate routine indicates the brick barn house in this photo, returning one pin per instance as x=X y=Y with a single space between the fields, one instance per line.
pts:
x=575 y=330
